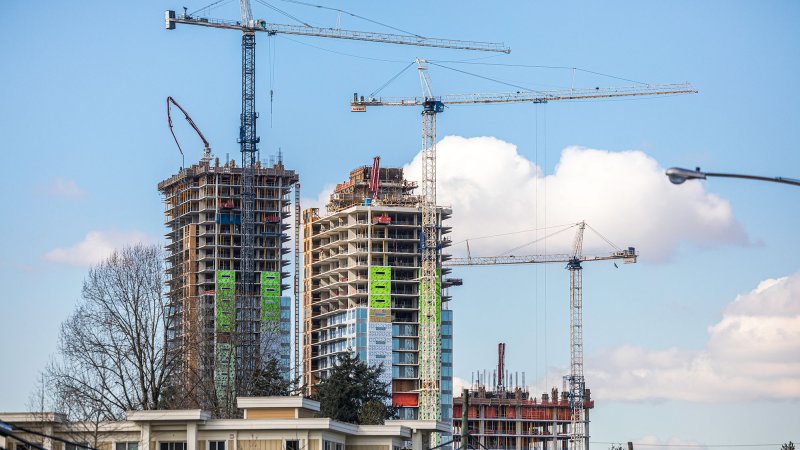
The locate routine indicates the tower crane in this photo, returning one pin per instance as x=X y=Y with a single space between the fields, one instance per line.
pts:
x=577 y=384
x=206 y=149
x=246 y=300
x=430 y=351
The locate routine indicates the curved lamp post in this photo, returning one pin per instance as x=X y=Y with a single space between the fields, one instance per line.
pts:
x=678 y=175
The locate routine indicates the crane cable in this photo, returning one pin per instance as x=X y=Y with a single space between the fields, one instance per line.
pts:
x=531 y=66
x=486 y=78
x=604 y=238
x=354 y=15
x=211 y=6
x=376 y=91
x=275 y=8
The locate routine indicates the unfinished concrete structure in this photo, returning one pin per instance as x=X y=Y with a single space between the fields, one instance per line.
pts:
x=361 y=284
x=221 y=340
x=502 y=415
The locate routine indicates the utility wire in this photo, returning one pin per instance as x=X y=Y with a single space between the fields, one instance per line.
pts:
x=635 y=444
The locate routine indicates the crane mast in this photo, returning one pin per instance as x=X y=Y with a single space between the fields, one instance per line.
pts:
x=579 y=435
x=245 y=342
x=429 y=303
x=430 y=342
x=577 y=384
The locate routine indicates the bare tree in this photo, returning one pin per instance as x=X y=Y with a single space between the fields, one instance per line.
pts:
x=112 y=351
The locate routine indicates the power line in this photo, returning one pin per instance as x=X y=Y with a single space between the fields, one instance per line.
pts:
x=689 y=445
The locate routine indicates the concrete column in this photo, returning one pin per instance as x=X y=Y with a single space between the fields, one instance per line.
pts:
x=586 y=429
x=144 y=441
x=481 y=425
x=47 y=442
x=191 y=436
x=417 y=442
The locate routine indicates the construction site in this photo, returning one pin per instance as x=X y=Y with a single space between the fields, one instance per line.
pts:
x=222 y=341
x=502 y=414
x=374 y=269
x=361 y=288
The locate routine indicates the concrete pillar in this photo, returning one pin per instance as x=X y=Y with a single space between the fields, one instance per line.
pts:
x=144 y=440
x=481 y=425
x=46 y=441
x=416 y=440
x=586 y=429
x=191 y=436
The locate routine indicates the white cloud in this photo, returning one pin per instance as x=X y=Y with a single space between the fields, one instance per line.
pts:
x=95 y=246
x=60 y=187
x=624 y=195
x=458 y=385
x=753 y=352
x=320 y=200
x=654 y=443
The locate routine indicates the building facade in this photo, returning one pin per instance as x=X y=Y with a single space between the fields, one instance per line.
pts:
x=221 y=339
x=268 y=423
x=361 y=285
x=502 y=414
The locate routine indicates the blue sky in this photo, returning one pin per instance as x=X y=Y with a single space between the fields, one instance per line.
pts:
x=85 y=141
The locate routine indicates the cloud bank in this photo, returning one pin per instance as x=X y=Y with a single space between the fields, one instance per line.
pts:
x=753 y=352
x=95 y=246
x=624 y=195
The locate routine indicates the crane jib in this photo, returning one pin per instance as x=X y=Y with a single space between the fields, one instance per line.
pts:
x=388 y=38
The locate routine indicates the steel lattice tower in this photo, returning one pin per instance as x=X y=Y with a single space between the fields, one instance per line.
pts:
x=247 y=305
x=577 y=384
x=429 y=333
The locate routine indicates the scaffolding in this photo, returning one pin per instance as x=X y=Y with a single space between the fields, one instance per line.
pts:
x=502 y=415
x=361 y=287
x=219 y=339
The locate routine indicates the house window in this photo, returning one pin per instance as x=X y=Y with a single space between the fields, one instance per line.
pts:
x=76 y=446
x=292 y=445
x=127 y=446
x=172 y=446
x=216 y=445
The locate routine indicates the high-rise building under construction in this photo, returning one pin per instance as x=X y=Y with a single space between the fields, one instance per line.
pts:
x=361 y=285
x=219 y=340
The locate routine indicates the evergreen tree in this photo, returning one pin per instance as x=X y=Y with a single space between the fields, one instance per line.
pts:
x=268 y=380
x=353 y=392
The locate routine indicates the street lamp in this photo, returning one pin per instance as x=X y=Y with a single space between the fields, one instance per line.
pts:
x=678 y=175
